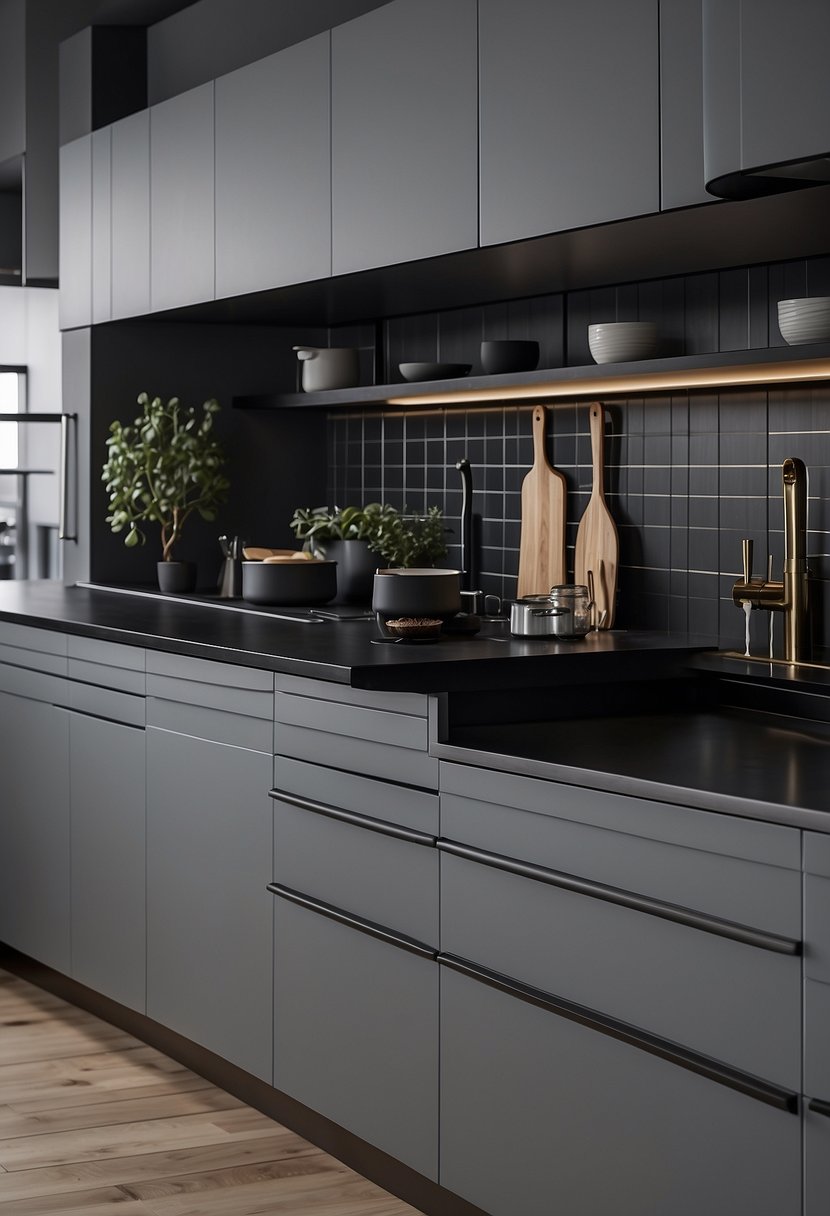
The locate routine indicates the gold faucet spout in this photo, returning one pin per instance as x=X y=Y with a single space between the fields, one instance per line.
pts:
x=791 y=596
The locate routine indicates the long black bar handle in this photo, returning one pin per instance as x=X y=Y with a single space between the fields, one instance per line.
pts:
x=467 y=560
x=705 y=1066
x=627 y=899
x=392 y=938
x=383 y=826
x=819 y=1107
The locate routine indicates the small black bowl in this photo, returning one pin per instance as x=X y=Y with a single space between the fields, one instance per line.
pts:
x=499 y=358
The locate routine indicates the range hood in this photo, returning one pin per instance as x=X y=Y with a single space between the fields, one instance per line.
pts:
x=766 y=96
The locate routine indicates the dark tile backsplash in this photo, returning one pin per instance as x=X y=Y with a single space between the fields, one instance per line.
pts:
x=687 y=475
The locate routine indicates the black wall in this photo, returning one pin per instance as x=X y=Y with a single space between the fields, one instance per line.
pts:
x=688 y=475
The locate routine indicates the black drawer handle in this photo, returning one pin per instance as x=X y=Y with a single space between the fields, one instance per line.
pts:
x=354 y=922
x=818 y=1107
x=383 y=826
x=705 y=1066
x=626 y=899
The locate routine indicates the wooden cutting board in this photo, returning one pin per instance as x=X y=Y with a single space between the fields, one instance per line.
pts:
x=544 y=493
x=597 y=543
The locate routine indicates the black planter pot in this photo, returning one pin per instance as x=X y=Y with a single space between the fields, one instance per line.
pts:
x=356 y=566
x=176 y=578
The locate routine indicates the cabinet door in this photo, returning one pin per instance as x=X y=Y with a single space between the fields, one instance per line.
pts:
x=34 y=830
x=569 y=115
x=106 y=785
x=404 y=134
x=543 y=1114
x=75 y=230
x=273 y=171
x=181 y=199
x=209 y=935
x=682 y=178
x=356 y=1032
x=101 y=225
x=131 y=215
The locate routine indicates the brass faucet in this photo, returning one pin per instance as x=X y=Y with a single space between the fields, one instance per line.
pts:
x=791 y=595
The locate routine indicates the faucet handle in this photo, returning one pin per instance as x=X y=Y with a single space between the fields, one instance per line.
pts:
x=746 y=547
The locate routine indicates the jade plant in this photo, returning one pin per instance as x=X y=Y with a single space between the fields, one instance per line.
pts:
x=400 y=539
x=161 y=468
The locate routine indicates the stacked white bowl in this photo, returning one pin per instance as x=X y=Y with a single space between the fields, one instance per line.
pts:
x=621 y=341
x=805 y=320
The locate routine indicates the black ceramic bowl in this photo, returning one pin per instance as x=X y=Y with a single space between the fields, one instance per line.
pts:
x=289 y=582
x=417 y=593
x=499 y=358
x=413 y=372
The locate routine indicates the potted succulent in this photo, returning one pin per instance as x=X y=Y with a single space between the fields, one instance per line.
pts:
x=160 y=469
x=360 y=539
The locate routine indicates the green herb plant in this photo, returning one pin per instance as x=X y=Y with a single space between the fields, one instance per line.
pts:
x=163 y=467
x=401 y=539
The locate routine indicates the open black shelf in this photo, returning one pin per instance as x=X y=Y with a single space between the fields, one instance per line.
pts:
x=723 y=369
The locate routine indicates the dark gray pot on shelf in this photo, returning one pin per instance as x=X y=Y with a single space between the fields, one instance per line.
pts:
x=176 y=578
x=356 y=566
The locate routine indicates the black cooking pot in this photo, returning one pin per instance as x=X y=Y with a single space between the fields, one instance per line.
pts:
x=417 y=593
x=303 y=582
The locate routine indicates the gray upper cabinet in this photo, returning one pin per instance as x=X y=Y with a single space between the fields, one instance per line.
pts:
x=682 y=180
x=273 y=174
x=131 y=215
x=767 y=90
x=569 y=115
x=75 y=303
x=404 y=134
x=101 y=225
x=181 y=199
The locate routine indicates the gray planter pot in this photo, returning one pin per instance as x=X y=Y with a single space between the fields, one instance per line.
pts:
x=356 y=566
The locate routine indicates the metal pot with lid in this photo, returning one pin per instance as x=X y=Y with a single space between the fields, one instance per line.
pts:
x=563 y=613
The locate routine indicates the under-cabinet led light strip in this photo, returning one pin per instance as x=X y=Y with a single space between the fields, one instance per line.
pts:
x=630 y=385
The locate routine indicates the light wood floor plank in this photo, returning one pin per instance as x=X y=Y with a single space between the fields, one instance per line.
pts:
x=91 y=1119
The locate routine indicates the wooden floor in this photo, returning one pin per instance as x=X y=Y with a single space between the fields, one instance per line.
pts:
x=91 y=1118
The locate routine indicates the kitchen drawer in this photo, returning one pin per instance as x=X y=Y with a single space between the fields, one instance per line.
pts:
x=564 y=920
x=26 y=637
x=37 y=685
x=390 y=743
x=106 y=703
x=356 y=1031
x=216 y=701
x=817 y=1039
x=817 y=906
x=543 y=1112
x=107 y=664
x=403 y=805
x=415 y=703
x=371 y=867
x=201 y=682
x=738 y=869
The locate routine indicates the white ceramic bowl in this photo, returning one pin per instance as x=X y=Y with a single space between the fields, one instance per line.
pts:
x=806 y=320
x=621 y=341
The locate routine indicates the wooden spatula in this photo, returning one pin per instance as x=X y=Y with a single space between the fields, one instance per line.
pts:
x=544 y=493
x=597 y=543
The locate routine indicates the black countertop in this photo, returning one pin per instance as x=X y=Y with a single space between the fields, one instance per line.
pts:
x=343 y=651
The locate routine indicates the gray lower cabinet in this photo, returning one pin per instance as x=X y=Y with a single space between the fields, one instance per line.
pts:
x=273 y=171
x=106 y=790
x=181 y=199
x=209 y=932
x=356 y=1031
x=569 y=115
x=404 y=134
x=209 y=832
x=34 y=830
x=540 y=1113
x=817 y=1158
